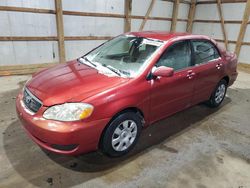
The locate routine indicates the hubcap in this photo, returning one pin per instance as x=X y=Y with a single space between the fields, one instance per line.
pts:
x=220 y=92
x=124 y=135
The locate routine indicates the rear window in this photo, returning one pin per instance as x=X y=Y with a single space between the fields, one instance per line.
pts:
x=204 y=51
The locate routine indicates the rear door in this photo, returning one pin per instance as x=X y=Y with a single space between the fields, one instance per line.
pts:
x=172 y=94
x=208 y=66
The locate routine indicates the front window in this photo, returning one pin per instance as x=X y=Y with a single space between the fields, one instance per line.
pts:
x=177 y=56
x=125 y=55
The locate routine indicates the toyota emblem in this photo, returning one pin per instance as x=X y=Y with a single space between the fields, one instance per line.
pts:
x=28 y=99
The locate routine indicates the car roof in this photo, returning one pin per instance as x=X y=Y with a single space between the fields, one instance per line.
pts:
x=165 y=36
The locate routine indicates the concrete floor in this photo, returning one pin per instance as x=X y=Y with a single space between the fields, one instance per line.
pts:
x=199 y=147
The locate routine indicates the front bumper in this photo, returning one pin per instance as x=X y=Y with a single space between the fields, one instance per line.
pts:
x=70 y=138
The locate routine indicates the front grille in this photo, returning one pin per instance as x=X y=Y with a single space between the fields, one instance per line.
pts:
x=30 y=101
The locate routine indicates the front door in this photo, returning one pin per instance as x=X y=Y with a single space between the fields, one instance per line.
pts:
x=172 y=94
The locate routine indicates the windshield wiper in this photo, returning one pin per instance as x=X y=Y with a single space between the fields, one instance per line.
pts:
x=112 y=69
x=86 y=59
x=117 y=71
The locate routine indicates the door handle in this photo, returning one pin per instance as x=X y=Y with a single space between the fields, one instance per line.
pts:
x=219 y=65
x=190 y=74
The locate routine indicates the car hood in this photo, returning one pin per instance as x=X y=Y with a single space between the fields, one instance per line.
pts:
x=70 y=82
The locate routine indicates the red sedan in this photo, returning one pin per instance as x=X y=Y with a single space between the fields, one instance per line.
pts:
x=103 y=99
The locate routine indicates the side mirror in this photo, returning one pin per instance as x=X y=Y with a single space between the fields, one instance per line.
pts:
x=163 y=71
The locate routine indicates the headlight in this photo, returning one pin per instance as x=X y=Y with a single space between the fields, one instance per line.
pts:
x=69 y=111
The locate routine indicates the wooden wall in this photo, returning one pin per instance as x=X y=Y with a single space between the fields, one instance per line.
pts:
x=35 y=34
x=228 y=22
x=39 y=33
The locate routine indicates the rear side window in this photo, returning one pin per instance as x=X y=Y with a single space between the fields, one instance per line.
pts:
x=177 y=56
x=204 y=51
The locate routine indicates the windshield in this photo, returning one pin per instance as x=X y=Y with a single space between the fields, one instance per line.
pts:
x=124 y=55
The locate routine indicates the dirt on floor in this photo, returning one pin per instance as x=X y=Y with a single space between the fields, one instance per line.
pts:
x=199 y=147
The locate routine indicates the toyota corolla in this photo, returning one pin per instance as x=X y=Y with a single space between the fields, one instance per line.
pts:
x=105 y=98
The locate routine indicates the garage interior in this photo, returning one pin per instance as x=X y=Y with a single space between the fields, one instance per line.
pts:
x=199 y=147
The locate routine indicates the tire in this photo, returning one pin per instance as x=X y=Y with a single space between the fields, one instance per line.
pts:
x=218 y=94
x=121 y=134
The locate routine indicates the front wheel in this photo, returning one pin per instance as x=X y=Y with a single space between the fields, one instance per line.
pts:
x=121 y=134
x=218 y=95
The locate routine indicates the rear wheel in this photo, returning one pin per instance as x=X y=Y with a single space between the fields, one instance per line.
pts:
x=121 y=134
x=218 y=95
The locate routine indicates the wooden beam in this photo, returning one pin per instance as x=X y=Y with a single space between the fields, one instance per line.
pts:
x=53 y=38
x=92 y=14
x=245 y=43
x=191 y=15
x=24 y=9
x=6 y=70
x=150 y=18
x=219 y=21
x=207 y=21
x=181 y=1
x=157 y=18
x=222 y=1
x=243 y=28
x=229 y=41
x=222 y=23
x=26 y=66
x=175 y=15
x=128 y=9
x=60 y=30
x=147 y=15
x=233 y=42
x=181 y=20
x=34 y=38
x=88 y=38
